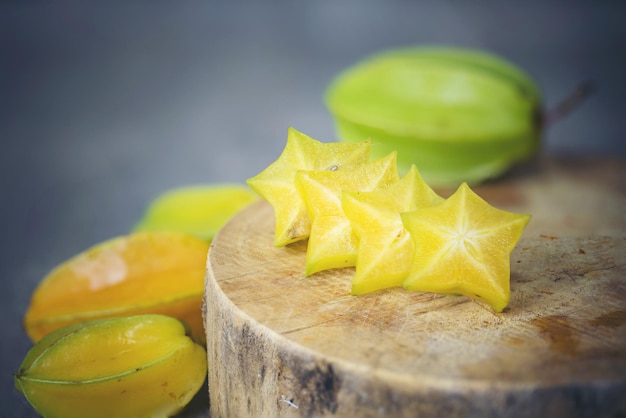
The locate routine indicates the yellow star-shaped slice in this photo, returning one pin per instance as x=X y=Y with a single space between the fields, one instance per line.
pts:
x=463 y=246
x=331 y=241
x=276 y=183
x=385 y=248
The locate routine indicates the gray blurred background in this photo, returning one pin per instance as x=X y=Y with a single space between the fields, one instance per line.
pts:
x=104 y=105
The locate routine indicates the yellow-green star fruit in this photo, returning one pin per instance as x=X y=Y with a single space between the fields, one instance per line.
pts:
x=332 y=243
x=200 y=210
x=458 y=114
x=385 y=248
x=144 y=272
x=276 y=183
x=129 y=367
x=463 y=246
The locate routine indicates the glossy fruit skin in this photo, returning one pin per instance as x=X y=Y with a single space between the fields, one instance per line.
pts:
x=459 y=115
x=200 y=210
x=144 y=272
x=138 y=366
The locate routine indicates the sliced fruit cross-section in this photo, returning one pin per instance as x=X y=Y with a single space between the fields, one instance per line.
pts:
x=385 y=248
x=331 y=240
x=463 y=246
x=276 y=182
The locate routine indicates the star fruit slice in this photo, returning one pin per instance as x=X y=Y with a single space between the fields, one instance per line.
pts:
x=276 y=183
x=463 y=246
x=385 y=248
x=332 y=243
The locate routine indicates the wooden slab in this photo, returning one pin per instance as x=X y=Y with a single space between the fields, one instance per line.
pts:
x=280 y=344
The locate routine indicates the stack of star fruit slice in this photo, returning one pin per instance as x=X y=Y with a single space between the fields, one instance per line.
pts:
x=394 y=231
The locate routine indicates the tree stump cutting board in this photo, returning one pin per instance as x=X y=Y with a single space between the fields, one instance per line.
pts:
x=281 y=344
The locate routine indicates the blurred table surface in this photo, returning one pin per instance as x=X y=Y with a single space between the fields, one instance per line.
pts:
x=105 y=105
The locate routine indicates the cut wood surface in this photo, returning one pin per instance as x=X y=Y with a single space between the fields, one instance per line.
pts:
x=281 y=344
x=566 y=196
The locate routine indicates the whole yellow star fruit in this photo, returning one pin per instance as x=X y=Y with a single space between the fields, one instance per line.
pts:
x=276 y=182
x=463 y=246
x=143 y=272
x=130 y=367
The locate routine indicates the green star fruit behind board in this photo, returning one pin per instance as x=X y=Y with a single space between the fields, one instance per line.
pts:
x=459 y=115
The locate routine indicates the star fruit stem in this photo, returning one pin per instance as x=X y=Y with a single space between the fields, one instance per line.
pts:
x=568 y=104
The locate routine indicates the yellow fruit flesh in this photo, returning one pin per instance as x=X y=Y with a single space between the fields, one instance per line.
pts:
x=463 y=246
x=385 y=248
x=147 y=272
x=198 y=210
x=276 y=183
x=331 y=243
x=377 y=270
x=139 y=366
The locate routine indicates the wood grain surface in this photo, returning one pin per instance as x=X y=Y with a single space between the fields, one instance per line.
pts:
x=281 y=344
